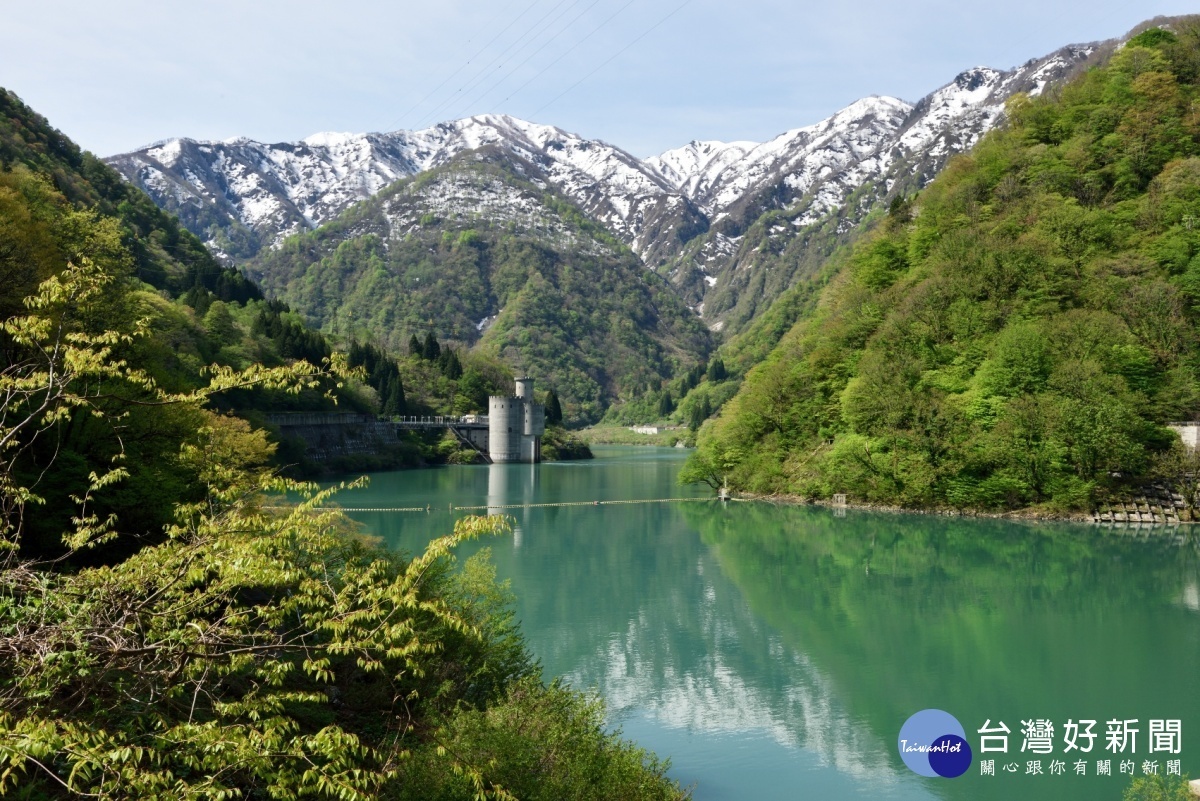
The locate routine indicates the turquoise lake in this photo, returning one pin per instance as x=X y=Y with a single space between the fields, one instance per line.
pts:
x=774 y=652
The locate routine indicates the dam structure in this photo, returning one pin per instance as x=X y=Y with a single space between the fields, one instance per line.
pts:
x=510 y=432
x=515 y=425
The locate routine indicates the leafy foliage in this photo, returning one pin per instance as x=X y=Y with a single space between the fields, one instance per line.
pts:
x=250 y=650
x=548 y=744
x=559 y=444
x=1158 y=788
x=1017 y=336
x=554 y=413
x=165 y=254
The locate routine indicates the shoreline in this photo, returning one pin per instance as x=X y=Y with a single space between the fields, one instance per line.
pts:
x=1020 y=515
x=667 y=437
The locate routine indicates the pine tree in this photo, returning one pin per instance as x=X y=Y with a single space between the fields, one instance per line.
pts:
x=356 y=354
x=394 y=405
x=451 y=366
x=700 y=412
x=553 y=408
x=415 y=347
x=199 y=299
x=716 y=371
x=666 y=405
x=432 y=349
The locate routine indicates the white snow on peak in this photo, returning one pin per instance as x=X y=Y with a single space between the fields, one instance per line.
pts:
x=330 y=138
x=166 y=153
x=808 y=171
x=718 y=175
x=683 y=165
x=715 y=173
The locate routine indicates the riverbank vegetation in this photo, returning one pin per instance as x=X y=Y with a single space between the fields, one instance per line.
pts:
x=623 y=435
x=243 y=648
x=1018 y=334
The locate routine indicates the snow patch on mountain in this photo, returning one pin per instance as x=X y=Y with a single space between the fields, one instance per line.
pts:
x=683 y=210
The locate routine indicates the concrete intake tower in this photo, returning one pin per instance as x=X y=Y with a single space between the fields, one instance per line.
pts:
x=515 y=425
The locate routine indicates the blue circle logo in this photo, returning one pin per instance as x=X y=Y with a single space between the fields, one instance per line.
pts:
x=933 y=743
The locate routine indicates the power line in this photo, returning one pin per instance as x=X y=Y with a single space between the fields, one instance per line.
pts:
x=466 y=64
x=515 y=49
x=569 y=50
x=533 y=55
x=482 y=74
x=607 y=61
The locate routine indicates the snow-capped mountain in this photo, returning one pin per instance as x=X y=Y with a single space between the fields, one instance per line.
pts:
x=859 y=141
x=827 y=177
x=477 y=251
x=684 y=212
x=241 y=195
x=719 y=176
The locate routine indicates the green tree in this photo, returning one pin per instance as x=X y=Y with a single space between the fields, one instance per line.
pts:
x=716 y=371
x=1158 y=788
x=431 y=350
x=666 y=405
x=219 y=324
x=554 y=412
x=471 y=395
x=450 y=365
x=393 y=405
x=699 y=412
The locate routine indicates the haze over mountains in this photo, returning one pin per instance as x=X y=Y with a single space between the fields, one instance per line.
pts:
x=685 y=212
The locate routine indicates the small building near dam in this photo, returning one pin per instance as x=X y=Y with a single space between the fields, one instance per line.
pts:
x=515 y=425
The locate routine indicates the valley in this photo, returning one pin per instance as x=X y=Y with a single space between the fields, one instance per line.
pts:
x=220 y=361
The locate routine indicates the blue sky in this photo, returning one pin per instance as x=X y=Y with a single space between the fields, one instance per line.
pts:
x=646 y=75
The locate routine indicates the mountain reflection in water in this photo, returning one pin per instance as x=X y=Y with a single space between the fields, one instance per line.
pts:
x=775 y=651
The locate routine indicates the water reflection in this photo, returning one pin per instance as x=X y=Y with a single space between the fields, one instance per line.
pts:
x=774 y=652
x=1191 y=597
x=985 y=619
x=717 y=671
x=499 y=497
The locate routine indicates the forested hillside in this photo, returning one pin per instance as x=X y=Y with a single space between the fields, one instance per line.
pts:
x=60 y=206
x=58 y=203
x=165 y=631
x=164 y=253
x=480 y=256
x=1018 y=333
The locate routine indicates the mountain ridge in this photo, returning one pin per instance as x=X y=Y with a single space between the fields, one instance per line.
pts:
x=1019 y=335
x=682 y=211
x=476 y=252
